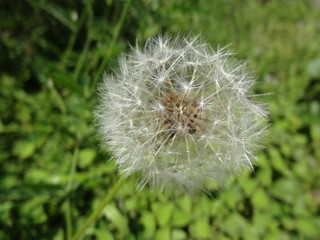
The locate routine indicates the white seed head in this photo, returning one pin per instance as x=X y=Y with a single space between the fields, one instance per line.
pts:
x=180 y=113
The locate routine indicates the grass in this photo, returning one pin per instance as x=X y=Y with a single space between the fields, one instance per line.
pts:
x=53 y=172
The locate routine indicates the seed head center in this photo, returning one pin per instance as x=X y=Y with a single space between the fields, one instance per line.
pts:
x=182 y=115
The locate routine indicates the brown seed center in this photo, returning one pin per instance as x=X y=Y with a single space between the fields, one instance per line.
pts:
x=182 y=115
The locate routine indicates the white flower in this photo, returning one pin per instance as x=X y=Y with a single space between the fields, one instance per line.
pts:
x=180 y=113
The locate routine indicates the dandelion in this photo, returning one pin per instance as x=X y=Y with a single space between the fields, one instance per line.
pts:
x=180 y=114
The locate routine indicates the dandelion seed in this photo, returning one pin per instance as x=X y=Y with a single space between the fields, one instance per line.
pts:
x=180 y=113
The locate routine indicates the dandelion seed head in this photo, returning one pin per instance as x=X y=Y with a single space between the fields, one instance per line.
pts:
x=180 y=114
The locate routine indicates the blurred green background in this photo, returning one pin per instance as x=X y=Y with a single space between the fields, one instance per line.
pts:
x=52 y=169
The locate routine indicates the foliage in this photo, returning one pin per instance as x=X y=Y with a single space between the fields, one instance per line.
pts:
x=53 y=173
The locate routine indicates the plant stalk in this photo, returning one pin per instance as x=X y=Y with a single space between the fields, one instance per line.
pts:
x=94 y=216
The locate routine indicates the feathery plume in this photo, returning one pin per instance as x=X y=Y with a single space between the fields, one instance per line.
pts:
x=180 y=113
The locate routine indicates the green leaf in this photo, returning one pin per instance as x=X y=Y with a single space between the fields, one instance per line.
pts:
x=131 y=204
x=148 y=221
x=109 y=2
x=233 y=196
x=178 y=234
x=59 y=13
x=313 y=68
x=64 y=79
x=180 y=218
x=102 y=231
x=261 y=221
x=24 y=149
x=286 y=189
x=34 y=210
x=251 y=232
x=200 y=229
x=163 y=233
x=307 y=227
x=103 y=234
x=277 y=161
x=114 y=215
x=265 y=176
x=248 y=186
x=315 y=133
x=186 y=204
x=86 y=157
x=163 y=213
x=58 y=235
x=260 y=199
x=234 y=225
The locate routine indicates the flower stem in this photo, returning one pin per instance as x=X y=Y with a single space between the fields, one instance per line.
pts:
x=116 y=32
x=93 y=217
x=68 y=190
